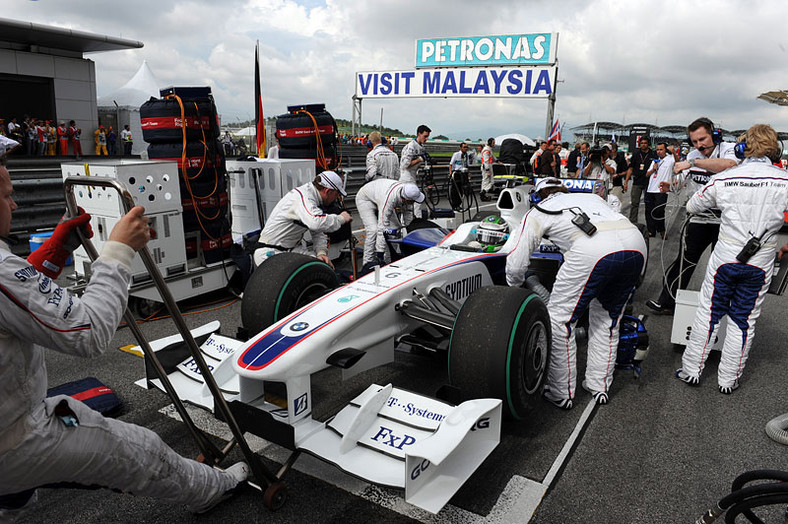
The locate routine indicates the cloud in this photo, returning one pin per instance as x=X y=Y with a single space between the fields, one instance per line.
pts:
x=665 y=62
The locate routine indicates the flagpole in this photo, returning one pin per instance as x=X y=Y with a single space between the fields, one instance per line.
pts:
x=258 y=106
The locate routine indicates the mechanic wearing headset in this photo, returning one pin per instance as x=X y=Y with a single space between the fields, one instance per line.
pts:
x=752 y=198
x=377 y=204
x=382 y=162
x=299 y=211
x=46 y=441
x=604 y=254
x=711 y=155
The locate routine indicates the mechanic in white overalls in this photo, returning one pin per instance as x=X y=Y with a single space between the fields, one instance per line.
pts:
x=412 y=157
x=377 y=204
x=604 y=254
x=45 y=441
x=753 y=198
x=382 y=162
x=299 y=211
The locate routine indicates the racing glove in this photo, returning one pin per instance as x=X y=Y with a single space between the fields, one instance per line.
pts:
x=381 y=256
x=51 y=257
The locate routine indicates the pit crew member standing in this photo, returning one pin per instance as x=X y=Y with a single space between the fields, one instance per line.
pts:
x=411 y=158
x=752 y=198
x=59 y=439
x=711 y=155
x=638 y=165
x=488 y=159
x=382 y=162
x=377 y=203
x=604 y=254
x=661 y=170
x=299 y=211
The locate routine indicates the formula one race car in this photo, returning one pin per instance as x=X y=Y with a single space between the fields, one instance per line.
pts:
x=449 y=296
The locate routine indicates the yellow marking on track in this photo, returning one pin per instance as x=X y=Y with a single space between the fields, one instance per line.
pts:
x=133 y=349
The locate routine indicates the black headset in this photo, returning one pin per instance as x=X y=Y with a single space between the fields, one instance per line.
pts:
x=716 y=134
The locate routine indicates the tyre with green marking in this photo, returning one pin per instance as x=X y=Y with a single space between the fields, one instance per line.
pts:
x=282 y=284
x=500 y=347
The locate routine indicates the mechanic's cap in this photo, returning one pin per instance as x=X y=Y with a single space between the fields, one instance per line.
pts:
x=411 y=192
x=331 y=180
x=547 y=182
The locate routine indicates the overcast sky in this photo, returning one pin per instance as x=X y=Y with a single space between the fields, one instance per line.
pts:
x=664 y=62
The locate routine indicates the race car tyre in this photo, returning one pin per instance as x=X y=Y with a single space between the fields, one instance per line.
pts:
x=500 y=346
x=421 y=223
x=282 y=284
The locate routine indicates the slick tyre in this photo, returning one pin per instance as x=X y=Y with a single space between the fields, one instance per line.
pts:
x=500 y=347
x=282 y=284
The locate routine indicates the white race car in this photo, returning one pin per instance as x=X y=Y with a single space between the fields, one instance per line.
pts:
x=449 y=295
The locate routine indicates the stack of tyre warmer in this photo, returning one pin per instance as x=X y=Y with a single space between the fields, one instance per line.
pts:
x=202 y=173
x=298 y=134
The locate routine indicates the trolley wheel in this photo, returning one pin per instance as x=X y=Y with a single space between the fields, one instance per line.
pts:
x=275 y=496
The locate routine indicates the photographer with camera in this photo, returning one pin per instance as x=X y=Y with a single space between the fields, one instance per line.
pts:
x=711 y=155
x=600 y=165
x=411 y=159
x=752 y=198
x=603 y=260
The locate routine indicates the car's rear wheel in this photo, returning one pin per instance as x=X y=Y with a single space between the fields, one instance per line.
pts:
x=282 y=284
x=500 y=348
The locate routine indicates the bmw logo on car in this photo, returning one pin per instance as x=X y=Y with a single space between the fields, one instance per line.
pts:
x=299 y=326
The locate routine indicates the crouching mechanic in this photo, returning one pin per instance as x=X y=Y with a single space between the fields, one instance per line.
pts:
x=752 y=198
x=48 y=441
x=299 y=211
x=377 y=204
x=604 y=254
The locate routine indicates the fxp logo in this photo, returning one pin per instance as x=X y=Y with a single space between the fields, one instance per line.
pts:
x=299 y=326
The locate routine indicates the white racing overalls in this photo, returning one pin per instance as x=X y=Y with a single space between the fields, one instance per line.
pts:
x=409 y=174
x=599 y=273
x=752 y=198
x=382 y=162
x=36 y=447
x=296 y=213
x=377 y=203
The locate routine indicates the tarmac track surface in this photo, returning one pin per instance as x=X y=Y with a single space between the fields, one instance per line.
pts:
x=659 y=452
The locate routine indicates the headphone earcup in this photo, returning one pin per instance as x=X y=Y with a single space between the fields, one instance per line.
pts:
x=739 y=149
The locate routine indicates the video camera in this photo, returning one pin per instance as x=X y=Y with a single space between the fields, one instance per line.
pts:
x=595 y=155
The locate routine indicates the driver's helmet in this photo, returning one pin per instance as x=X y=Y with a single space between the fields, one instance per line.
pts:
x=492 y=232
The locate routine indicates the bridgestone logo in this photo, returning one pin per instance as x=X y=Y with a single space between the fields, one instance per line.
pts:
x=463 y=288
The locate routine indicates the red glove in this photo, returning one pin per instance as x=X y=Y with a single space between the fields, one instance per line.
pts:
x=50 y=258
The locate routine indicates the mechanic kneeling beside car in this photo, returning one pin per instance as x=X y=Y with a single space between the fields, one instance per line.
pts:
x=604 y=254
x=299 y=211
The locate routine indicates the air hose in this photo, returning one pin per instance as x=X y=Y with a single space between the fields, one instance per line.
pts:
x=776 y=429
x=742 y=499
x=536 y=286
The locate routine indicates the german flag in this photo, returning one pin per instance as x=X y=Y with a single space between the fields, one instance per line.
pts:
x=258 y=105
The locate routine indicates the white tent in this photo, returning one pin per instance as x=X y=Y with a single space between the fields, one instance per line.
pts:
x=129 y=98
x=517 y=136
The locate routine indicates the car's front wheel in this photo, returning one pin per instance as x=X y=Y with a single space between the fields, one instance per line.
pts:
x=500 y=348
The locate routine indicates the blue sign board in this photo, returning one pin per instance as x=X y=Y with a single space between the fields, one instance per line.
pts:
x=502 y=50
x=507 y=82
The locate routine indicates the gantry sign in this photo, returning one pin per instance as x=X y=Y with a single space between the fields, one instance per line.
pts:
x=505 y=66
